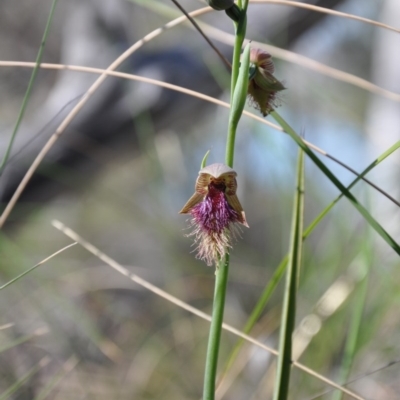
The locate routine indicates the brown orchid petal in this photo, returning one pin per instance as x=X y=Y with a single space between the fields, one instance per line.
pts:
x=202 y=182
x=195 y=199
x=262 y=59
x=234 y=202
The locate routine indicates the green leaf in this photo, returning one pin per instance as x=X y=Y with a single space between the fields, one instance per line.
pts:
x=29 y=89
x=273 y=282
x=238 y=102
x=282 y=380
x=204 y=160
x=21 y=381
x=361 y=209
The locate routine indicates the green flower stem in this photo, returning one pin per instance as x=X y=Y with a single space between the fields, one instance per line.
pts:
x=240 y=81
x=237 y=105
x=29 y=89
x=240 y=33
x=221 y=280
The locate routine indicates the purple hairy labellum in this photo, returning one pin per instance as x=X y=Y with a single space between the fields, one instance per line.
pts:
x=263 y=86
x=215 y=209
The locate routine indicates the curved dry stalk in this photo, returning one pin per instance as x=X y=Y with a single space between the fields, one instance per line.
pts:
x=210 y=43
x=311 y=64
x=190 y=93
x=52 y=140
x=305 y=62
x=54 y=137
x=165 y=295
x=328 y=11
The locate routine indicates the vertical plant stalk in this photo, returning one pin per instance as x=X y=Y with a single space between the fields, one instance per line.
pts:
x=329 y=174
x=237 y=105
x=221 y=280
x=270 y=288
x=29 y=89
x=289 y=303
x=240 y=33
x=350 y=349
x=255 y=314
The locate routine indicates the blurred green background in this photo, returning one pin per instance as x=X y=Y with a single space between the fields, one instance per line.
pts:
x=128 y=163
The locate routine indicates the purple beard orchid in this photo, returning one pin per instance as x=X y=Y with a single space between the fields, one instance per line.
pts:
x=215 y=209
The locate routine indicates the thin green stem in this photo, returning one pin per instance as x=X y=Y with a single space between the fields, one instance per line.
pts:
x=350 y=349
x=240 y=33
x=240 y=78
x=21 y=381
x=255 y=314
x=289 y=302
x=29 y=89
x=272 y=284
x=237 y=105
x=328 y=173
x=221 y=280
x=35 y=266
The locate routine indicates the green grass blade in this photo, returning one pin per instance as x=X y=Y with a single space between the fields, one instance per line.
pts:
x=256 y=313
x=272 y=284
x=21 y=381
x=361 y=209
x=289 y=304
x=35 y=266
x=377 y=161
x=17 y=342
x=57 y=378
x=350 y=349
x=204 y=160
x=30 y=85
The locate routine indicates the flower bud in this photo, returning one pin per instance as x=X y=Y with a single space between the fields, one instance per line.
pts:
x=220 y=4
x=263 y=86
x=231 y=9
x=262 y=59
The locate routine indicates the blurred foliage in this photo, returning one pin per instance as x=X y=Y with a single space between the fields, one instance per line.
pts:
x=104 y=336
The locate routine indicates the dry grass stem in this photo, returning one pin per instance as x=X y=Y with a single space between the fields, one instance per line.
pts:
x=328 y=11
x=46 y=148
x=159 y=292
x=305 y=62
x=6 y=326
x=274 y=51
x=190 y=93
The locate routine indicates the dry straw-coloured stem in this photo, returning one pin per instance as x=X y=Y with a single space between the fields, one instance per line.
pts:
x=305 y=62
x=53 y=139
x=190 y=93
x=159 y=292
x=312 y=64
x=328 y=11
